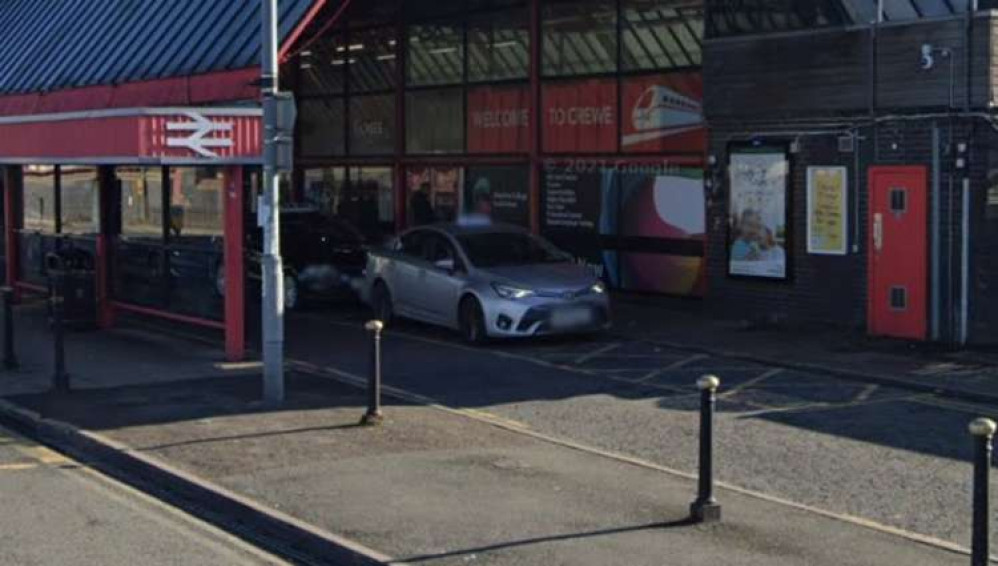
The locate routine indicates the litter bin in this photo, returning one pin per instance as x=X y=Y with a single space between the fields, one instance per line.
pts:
x=71 y=276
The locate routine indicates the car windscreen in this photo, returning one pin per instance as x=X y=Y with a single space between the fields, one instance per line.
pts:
x=502 y=249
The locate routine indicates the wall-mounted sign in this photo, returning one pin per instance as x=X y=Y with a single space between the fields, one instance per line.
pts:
x=758 y=212
x=663 y=113
x=580 y=116
x=827 y=210
x=499 y=119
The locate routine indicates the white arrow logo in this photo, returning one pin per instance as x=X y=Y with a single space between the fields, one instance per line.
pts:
x=199 y=140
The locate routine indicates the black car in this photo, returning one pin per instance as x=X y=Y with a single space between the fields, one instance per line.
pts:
x=324 y=258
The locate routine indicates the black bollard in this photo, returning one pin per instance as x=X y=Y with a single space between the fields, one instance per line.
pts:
x=373 y=415
x=706 y=509
x=60 y=379
x=9 y=357
x=983 y=431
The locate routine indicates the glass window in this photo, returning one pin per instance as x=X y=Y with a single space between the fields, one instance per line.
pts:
x=323 y=188
x=39 y=198
x=436 y=54
x=372 y=60
x=435 y=121
x=500 y=193
x=80 y=201
x=323 y=66
x=196 y=204
x=657 y=36
x=579 y=38
x=322 y=127
x=141 y=201
x=372 y=124
x=499 y=46
x=764 y=16
x=433 y=194
x=379 y=181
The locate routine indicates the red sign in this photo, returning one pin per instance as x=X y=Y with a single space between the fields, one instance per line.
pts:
x=663 y=114
x=499 y=120
x=580 y=117
x=209 y=136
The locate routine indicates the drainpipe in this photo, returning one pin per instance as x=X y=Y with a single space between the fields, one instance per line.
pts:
x=935 y=243
x=965 y=201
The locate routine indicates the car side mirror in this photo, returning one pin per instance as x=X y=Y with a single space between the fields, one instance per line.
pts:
x=445 y=265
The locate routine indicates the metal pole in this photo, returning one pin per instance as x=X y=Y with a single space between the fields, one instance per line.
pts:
x=965 y=264
x=706 y=508
x=373 y=415
x=936 y=278
x=273 y=271
x=983 y=431
x=60 y=379
x=9 y=357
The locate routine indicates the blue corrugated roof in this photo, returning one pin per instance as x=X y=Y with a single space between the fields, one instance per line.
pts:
x=56 y=44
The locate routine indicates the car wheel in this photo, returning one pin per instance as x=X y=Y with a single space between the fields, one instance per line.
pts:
x=472 y=322
x=381 y=303
x=292 y=297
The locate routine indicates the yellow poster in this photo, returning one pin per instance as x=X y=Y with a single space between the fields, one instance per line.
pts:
x=827 y=201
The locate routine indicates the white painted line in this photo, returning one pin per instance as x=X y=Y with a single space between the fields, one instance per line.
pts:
x=750 y=383
x=596 y=353
x=867 y=392
x=674 y=365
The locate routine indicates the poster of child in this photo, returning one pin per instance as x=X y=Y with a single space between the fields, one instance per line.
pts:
x=758 y=197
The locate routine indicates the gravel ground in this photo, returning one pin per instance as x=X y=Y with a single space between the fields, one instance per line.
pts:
x=882 y=454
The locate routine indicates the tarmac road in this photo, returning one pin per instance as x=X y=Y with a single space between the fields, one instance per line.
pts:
x=891 y=456
x=60 y=512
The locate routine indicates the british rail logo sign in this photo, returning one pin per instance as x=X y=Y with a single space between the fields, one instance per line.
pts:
x=199 y=134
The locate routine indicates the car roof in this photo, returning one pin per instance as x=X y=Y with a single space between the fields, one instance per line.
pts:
x=457 y=229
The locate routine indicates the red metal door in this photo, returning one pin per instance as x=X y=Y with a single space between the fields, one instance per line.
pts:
x=898 y=252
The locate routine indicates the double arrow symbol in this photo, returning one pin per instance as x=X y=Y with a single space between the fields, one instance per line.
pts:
x=199 y=140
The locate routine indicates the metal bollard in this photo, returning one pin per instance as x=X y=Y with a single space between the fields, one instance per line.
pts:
x=706 y=509
x=373 y=415
x=60 y=379
x=9 y=357
x=983 y=431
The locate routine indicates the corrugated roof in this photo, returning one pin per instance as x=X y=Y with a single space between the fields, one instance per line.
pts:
x=58 y=44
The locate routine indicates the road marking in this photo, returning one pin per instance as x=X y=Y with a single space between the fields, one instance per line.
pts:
x=596 y=353
x=673 y=366
x=17 y=467
x=750 y=383
x=867 y=392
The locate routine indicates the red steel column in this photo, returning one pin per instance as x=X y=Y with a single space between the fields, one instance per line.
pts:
x=536 y=120
x=12 y=222
x=105 y=184
x=235 y=314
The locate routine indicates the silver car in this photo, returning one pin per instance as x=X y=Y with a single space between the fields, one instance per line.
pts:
x=485 y=281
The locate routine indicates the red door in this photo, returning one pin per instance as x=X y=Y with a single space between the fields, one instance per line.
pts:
x=898 y=252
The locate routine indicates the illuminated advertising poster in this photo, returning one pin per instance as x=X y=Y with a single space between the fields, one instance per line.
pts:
x=758 y=212
x=578 y=214
x=498 y=119
x=827 y=202
x=580 y=116
x=663 y=229
x=663 y=113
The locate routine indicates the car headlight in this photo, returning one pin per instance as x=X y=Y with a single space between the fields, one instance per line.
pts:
x=599 y=288
x=510 y=292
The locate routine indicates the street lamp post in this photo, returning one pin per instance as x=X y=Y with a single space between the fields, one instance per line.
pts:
x=273 y=280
